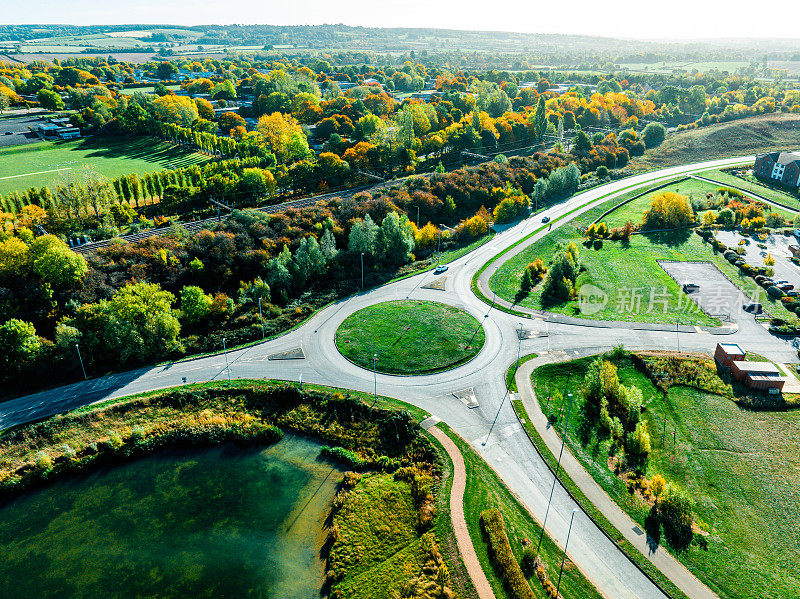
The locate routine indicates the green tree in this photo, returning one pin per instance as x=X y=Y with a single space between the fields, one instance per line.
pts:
x=396 y=239
x=308 y=262
x=18 y=340
x=363 y=236
x=195 y=304
x=58 y=265
x=166 y=70
x=653 y=134
x=50 y=100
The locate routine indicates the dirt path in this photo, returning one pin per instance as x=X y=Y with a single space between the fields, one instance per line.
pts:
x=463 y=539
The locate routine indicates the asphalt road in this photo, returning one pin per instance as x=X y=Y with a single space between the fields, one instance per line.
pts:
x=507 y=448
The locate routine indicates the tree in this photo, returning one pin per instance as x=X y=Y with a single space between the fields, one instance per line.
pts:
x=308 y=262
x=657 y=484
x=668 y=210
x=18 y=340
x=285 y=136
x=363 y=236
x=277 y=272
x=396 y=239
x=50 y=100
x=653 y=134
x=328 y=246
x=135 y=325
x=638 y=446
x=539 y=120
x=58 y=265
x=230 y=120
x=166 y=70
x=224 y=91
x=195 y=304
x=250 y=293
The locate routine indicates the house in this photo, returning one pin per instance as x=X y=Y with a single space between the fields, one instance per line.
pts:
x=727 y=353
x=781 y=167
x=761 y=376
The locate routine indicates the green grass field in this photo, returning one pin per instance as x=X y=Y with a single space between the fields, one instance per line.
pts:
x=46 y=163
x=740 y=467
x=628 y=270
x=485 y=490
x=410 y=337
x=634 y=210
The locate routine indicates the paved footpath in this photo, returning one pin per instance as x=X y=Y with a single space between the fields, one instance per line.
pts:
x=463 y=539
x=668 y=565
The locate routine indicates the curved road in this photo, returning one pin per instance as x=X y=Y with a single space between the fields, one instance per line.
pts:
x=507 y=448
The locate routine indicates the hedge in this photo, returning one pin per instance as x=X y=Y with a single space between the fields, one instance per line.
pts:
x=494 y=532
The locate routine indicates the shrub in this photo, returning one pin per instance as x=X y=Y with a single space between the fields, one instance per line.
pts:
x=653 y=134
x=510 y=573
x=774 y=292
x=528 y=561
x=345 y=456
x=44 y=462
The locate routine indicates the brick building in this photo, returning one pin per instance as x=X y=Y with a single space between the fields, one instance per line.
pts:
x=780 y=167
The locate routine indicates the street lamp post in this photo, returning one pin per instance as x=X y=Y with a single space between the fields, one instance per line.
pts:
x=375 y=376
x=81 y=361
x=362 y=270
x=227 y=367
x=502 y=401
x=558 y=467
x=677 y=332
x=439 y=247
x=261 y=316
x=417 y=207
x=564 y=557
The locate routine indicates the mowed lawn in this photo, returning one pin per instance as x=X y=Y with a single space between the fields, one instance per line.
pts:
x=636 y=287
x=771 y=193
x=741 y=467
x=46 y=163
x=410 y=337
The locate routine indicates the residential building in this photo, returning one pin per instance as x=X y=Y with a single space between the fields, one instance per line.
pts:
x=781 y=167
x=727 y=353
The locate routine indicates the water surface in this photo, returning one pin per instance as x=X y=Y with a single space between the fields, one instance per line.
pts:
x=223 y=522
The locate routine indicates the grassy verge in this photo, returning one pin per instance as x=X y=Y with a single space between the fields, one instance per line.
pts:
x=739 y=467
x=776 y=195
x=410 y=337
x=511 y=383
x=485 y=490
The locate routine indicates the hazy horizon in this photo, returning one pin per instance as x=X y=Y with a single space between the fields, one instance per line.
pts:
x=685 y=22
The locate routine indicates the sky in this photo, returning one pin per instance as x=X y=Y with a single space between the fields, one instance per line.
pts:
x=676 y=19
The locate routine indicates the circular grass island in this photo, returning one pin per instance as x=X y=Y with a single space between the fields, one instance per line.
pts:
x=410 y=337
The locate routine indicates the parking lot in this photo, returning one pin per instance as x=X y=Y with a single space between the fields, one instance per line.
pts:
x=19 y=128
x=776 y=245
x=716 y=295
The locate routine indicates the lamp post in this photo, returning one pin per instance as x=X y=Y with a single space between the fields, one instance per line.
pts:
x=261 y=316
x=502 y=401
x=677 y=333
x=439 y=247
x=81 y=361
x=558 y=467
x=375 y=375
x=227 y=367
x=417 y=207
x=564 y=557
x=362 y=270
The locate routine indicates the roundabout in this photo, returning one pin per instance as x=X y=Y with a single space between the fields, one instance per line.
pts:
x=410 y=337
x=490 y=426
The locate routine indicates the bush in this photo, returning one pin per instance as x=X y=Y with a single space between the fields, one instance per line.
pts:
x=528 y=562
x=653 y=134
x=345 y=456
x=494 y=532
x=774 y=292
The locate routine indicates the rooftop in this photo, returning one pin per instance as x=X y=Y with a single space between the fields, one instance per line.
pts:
x=732 y=349
x=788 y=157
x=765 y=368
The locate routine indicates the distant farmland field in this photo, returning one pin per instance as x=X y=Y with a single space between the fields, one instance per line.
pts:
x=43 y=164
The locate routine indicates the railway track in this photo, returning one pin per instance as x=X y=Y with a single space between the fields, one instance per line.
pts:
x=196 y=225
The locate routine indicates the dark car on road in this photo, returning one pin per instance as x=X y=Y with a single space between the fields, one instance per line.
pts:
x=752 y=308
x=545 y=219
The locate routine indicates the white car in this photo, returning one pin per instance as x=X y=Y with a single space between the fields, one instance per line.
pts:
x=440 y=269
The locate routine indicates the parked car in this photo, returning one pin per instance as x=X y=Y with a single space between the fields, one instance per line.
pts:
x=690 y=287
x=440 y=269
x=9 y=133
x=797 y=233
x=753 y=308
x=793 y=293
x=545 y=219
x=784 y=286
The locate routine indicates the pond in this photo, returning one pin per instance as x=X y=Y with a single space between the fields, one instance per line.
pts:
x=222 y=522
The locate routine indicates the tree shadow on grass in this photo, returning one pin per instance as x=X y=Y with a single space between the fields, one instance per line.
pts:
x=652 y=527
x=673 y=238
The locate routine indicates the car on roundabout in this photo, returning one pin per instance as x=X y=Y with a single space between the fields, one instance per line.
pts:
x=440 y=269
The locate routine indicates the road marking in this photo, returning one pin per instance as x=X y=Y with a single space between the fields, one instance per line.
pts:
x=56 y=170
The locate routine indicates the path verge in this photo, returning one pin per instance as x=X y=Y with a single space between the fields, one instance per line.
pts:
x=463 y=539
x=590 y=492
